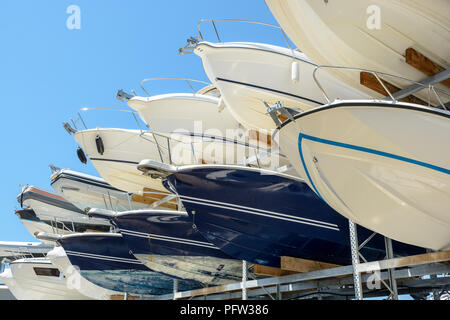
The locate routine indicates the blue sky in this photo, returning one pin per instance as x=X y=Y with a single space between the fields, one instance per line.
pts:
x=48 y=72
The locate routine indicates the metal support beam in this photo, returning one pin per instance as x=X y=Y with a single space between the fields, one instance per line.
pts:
x=392 y=280
x=279 y=294
x=302 y=282
x=355 y=260
x=175 y=288
x=162 y=201
x=417 y=87
x=244 y=280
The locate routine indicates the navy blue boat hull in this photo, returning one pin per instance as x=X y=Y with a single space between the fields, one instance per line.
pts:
x=166 y=242
x=106 y=261
x=261 y=217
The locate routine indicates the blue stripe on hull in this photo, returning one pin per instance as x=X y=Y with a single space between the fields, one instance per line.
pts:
x=303 y=136
x=107 y=262
x=261 y=217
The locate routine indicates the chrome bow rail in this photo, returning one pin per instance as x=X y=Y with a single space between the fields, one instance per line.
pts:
x=418 y=86
x=81 y=120
x=187 y=80
x=194 y=40
x=165 y=143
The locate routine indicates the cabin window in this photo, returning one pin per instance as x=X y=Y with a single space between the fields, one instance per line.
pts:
x=50 y=272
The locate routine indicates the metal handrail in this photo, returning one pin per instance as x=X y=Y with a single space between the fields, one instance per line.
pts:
x=172 y=78
x=165 y=147
x=377 y=75
x=244 y=21
x=80 y=118
x=57 y=223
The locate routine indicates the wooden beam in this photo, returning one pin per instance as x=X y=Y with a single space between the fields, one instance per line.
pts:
x=270 y=271
x=303 y=265
x=424 y=64
x=260 y=137
x=370 y=81
x=150 y=196
x=93 y=230
x=440 y=256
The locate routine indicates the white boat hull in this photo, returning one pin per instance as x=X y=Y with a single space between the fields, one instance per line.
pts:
x=124 y=149
x=34 y=227
x=183 y=111
x=349 y=33
x=25 y=284
x=248 y=73
x=59 y=258
x=85 y=191
x=51 y=207
x=384 y=166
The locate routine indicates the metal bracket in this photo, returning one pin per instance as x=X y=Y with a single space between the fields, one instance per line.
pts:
x=162 y=201
x=101 y=213
x=279 y=109
x=68 y=128
x=190 y=46
x=156 y=169
x=54 y=169
x=122 y=95
x=48 y=236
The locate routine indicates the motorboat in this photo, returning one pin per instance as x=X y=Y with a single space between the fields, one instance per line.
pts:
x=180 y=112
x=34 y=225
x=115 y=153
x=166 y=242
x=251 y=76
x=382 y=164
x=59 y=258
x=260 y=216
x=87 y=191
x=183 y=128
x=49 y=224
x=17 y=249
x=47 y=212
x=38 y=279
x=123 y=149
x=406 y=38
x=105 y=260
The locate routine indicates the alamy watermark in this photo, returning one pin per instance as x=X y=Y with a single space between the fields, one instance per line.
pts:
x=213 y=146
x=73 y=277
x=373 y=21
x=73 y=21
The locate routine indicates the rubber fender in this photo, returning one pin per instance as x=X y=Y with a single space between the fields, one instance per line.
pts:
x=81 y=155
x=295 y=72
x=99 y=144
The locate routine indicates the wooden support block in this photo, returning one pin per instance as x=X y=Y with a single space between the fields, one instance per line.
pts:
x=439 y=256
x=282 y=118
x=303 y=265
x=93 y=230
x=270 y=271
x=150 y=196
x=424 y=64
x=264 y=139
x=370 y=81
